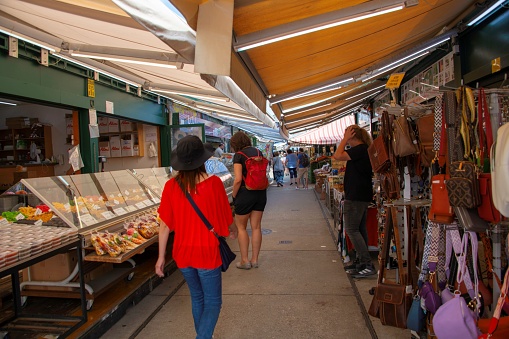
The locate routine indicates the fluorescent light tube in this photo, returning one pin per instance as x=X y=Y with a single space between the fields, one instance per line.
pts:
x=486 y=12
x=309 y=118
x=123 y=59
x=306 y=110
x=190 y=94
x=369 y=90
x=313 y=91
x=404 y=61
x=8 y=103
x=27 y=39
x=96 y=69
x=346 y=20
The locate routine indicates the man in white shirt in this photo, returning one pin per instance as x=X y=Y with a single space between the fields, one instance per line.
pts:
x=219 y=151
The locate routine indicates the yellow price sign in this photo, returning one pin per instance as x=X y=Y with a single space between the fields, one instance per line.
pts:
x=394 y=80
x=90 y=88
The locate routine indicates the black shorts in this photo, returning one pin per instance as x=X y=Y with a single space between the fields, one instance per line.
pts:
x=250 y=200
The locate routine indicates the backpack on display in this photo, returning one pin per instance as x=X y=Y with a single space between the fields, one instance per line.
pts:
x=256 y=178
x=305 y=160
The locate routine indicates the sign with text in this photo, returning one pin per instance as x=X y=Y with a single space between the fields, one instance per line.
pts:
x=394 y=80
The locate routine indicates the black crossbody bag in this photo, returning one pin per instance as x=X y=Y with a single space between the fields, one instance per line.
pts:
x=227 y=256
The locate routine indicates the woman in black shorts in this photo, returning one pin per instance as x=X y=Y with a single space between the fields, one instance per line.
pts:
x=249 y=204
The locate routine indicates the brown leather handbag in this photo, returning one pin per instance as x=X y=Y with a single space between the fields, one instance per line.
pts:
x=391 y=299
x=378 y=155
x=425 y=127
x=440 y=211
x=403 y=141
x=463 y=185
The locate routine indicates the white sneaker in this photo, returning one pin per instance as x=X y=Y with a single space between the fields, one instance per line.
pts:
x=296 y=188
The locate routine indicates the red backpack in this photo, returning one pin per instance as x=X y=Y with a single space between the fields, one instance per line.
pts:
x=256 y=178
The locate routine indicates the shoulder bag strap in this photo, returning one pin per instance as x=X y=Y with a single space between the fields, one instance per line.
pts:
x=500 y=303
x=386 y=245
x=403 y=276
x=200 y=214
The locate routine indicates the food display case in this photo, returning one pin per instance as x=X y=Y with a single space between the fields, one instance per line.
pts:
x=112 y=213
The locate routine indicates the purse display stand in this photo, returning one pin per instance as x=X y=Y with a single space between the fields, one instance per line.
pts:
x=392 y=300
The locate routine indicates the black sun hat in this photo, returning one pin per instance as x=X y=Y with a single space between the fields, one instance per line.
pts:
x=189 y=154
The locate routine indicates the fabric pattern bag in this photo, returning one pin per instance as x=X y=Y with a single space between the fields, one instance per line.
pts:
x=463 y=186
x=440 y=211
x=256 y=177
x=227 y=256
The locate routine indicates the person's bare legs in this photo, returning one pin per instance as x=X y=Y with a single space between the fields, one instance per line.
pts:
x=256 y=240
x=243 y=237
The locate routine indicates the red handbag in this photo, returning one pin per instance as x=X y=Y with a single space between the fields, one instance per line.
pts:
x=487 y=209
x=440 y=211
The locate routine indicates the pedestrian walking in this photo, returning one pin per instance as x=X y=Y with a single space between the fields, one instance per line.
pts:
x=302 y=168
x=279 y=169
x=249 y=204
x=195 y=248
x=291 y=164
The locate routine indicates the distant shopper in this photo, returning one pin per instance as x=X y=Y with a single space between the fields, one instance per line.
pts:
x=219 y=151
x=291 y=163
x=358 y=196
x=302 y=170
x=279 y=169
x=249 y=204
x=195 y=248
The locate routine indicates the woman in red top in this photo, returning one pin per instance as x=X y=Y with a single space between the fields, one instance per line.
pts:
x=195 y=248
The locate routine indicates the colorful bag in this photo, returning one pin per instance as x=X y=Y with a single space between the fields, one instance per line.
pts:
x=416 y=320
x=378 y=155
x=256 y=178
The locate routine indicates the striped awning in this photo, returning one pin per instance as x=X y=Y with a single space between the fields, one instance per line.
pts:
x=328 y=134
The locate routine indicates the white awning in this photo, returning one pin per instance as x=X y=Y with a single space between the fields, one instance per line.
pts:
x=328 y=134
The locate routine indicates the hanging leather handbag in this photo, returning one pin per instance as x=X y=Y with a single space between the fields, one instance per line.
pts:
x=463 y=186
x=390 y=185
x=378 y=155
x=416 y=320
x=403 y=141
x=486 y=209
x=440 y=211
x=393 y=300
x=470 y=220
x=425 y=127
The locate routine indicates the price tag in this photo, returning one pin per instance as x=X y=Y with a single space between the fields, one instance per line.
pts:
x=38 y=211
x=88 y=220
x=120 y=211
x=4 y=222
x=156 y=200
x=126 y=192
x=108 y=215
x=116 y=202
x=96 y=207
x=148 y=202
x=141 y=204
x=20 y=216
x=131 y=208
x=67 y=207
x=38 y=223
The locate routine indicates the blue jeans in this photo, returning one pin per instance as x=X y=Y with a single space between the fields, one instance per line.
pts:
x=354 y=216
x=206 y=298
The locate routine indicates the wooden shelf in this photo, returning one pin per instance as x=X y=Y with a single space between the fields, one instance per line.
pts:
x=124 y=256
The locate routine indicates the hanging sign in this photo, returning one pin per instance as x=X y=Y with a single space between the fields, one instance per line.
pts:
x=90 y=88
x=394 y=80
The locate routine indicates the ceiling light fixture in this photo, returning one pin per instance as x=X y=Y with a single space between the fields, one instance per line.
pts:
x=369 y=90
x=485 y=13
x=82 y=64
x=394 y=65
x=27 y=39
x=308 y=118
x=8 y=103
x=306 y=110
x=310 y=91
x=128 y=60
x=212 y=109
x=317 y=23
x=190 y=94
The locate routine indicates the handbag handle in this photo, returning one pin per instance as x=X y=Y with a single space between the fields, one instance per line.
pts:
x=200 y=214
x=391 y=227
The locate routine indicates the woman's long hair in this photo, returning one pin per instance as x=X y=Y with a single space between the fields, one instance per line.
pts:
x=361 y=134
x=239 y=141
x=187 y=180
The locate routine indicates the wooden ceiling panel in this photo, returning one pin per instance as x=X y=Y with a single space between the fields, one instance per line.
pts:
x=267 y=14
x=356 y=46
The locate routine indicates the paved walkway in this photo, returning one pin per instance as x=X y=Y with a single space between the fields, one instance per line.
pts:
x=300 y=289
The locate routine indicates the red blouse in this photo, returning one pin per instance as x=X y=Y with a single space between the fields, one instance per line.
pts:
x=194 y=245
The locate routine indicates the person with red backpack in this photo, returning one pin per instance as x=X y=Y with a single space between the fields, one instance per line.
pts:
x=249 y=196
